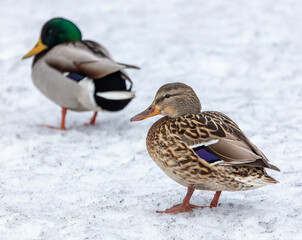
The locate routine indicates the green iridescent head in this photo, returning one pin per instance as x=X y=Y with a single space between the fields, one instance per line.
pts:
x=54 y=32
x=59 y=30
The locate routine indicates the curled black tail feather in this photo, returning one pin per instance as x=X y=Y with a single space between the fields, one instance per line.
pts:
x=113 y=82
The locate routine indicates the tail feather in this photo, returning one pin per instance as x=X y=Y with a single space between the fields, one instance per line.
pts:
x=268 y=179
x=116 y=95
x=271 y=166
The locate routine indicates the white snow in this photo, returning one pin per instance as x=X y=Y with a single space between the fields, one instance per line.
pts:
x=243 y=58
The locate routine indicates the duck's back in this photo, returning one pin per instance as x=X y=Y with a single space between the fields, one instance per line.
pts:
x=72 y=74
x=184 y=148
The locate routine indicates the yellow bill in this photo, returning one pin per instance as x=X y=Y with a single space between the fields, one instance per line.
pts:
x=39 y=47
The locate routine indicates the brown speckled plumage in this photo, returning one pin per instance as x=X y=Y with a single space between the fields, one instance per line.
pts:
x=168 y=144
x=171 y=141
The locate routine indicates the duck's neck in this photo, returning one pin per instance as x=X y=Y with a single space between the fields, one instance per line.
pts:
x=38 y=56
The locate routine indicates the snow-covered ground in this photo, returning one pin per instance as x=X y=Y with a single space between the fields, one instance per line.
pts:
x=243 y=58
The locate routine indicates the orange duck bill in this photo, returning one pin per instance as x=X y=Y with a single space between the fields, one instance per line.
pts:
x=149 y=112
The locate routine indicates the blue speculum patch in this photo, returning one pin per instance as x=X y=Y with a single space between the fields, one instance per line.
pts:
x=75 y=76
x=205 y=155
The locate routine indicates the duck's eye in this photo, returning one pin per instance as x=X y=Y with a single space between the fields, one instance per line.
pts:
x=167 y=95
x=49 y=31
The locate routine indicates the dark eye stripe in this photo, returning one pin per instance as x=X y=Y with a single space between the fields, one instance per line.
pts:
x=166 y=96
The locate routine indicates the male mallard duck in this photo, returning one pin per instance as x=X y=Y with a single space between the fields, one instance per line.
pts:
x=201 y=150
x=77 y=74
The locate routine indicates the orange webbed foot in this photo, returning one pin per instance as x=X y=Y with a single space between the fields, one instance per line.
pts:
x=180 y=208
x=57 y=128
x=92 y=121
x=185 y=206
x=62 y=127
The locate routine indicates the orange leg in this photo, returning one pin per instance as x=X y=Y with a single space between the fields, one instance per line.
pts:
x=215 y=200
x=92 y=121
x=64 y=111
x=186 y=206
x=62 y=127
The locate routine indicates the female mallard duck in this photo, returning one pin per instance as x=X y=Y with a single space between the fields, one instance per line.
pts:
x=77 y=74
x=201 y=150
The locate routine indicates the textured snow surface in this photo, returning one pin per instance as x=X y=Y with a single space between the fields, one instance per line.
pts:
x=243 y=58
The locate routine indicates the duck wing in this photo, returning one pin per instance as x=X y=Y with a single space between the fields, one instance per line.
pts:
x=214 y=136
x=101 y=51
x=93 y=62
